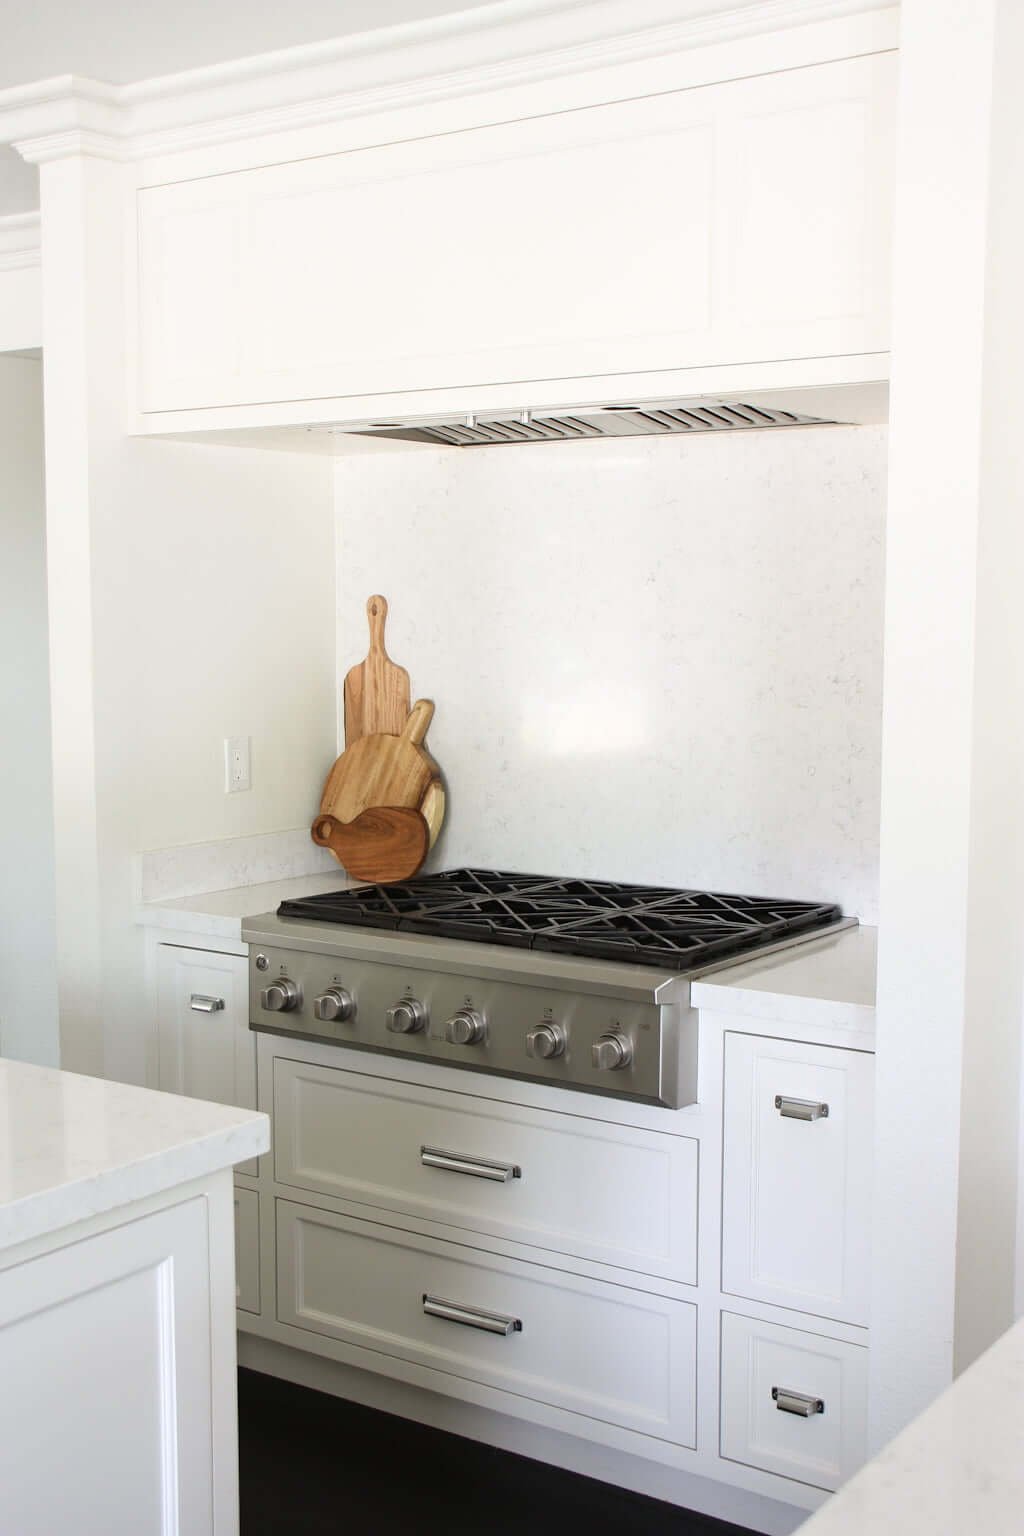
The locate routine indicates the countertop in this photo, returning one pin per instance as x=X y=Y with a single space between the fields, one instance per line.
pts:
x=74 y=1147
x=220 y=913
x=956 y=1469
x=825 y=981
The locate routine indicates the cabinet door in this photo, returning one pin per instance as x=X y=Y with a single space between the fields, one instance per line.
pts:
x=734 y=223
x=206 y=1047
x=797 y=1175
x=247 y=1250
x=107 y=1403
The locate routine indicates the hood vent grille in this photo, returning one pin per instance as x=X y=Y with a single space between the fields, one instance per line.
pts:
x=660 y=420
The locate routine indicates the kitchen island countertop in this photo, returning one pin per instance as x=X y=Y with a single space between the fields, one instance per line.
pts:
x=75 y=1147
x=956 y=1469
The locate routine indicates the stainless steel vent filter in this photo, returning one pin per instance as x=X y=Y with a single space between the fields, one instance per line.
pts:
x=660 y=420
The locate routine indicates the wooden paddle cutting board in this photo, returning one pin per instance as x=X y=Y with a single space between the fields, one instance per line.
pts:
x=382 y=770
x=376 y=690
x=384 y=844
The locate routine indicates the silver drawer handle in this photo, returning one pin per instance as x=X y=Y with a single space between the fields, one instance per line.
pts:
x=800 y=1109
x=476 y=1167
x=797 y=1402
x=471 y=1317
x=202 y=1004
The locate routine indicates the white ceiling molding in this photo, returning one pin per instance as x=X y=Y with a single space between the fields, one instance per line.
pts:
x=19 y=241
x=513 y=43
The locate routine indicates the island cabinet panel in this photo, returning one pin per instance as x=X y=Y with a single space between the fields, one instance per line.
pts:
x=739 y=222
x=106 y=1406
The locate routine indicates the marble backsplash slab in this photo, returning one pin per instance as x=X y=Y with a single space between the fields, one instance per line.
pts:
x=189 y=870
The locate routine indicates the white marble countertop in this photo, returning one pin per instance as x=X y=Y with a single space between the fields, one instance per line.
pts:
x=955 y=1470
x=825 y=981
x=220 y=913
x=74 y=1147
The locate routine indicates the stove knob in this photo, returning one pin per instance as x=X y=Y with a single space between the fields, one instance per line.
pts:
x=281 y=996
x=546 y=1041
x=611 y=1051
x=406 y=1018
x=465 y=1027
x=334 y=1004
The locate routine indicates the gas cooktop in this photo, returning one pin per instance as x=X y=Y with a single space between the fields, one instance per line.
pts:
x=639 y=924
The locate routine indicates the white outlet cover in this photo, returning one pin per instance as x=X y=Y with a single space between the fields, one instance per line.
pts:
x=237 y=764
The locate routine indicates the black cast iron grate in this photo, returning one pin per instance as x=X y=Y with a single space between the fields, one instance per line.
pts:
x=638 y=924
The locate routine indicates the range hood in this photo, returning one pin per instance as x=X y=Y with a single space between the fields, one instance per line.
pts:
x=657 y=419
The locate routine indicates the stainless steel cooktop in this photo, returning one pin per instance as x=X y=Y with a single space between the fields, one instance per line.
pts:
x=578 y=983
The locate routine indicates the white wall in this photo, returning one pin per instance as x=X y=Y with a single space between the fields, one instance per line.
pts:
x=28 y=968
x=651 y=661
x=192 y=598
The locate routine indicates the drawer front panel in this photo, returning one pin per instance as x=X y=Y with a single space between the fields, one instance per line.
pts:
x=602 y=1351
x=247 y=1250
x=792 y=1402
x=575 y=1186
x=797 y=1175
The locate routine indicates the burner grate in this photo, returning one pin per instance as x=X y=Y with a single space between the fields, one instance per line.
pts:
x=600 y=919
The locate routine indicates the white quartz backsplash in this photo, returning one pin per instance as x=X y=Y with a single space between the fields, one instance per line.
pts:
x=193 y=868
x=654 y=661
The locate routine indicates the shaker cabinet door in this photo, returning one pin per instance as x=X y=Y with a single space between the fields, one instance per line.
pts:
x=797 y=1162
x=206 y=1047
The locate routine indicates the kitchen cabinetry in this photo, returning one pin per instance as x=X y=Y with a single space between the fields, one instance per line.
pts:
x=737 y=223
x=117 y=1345
x=206 y=1050
x=797 y=1175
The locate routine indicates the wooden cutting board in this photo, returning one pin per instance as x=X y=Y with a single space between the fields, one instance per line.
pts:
x=376 y=691
x=382 y=770
x=384 y=844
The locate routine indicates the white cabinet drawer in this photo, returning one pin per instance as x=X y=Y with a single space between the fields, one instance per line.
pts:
x=247 y=1250
x=796 y=1191
x=563 y=1183
x=793 y=1403
x=602 y=1351
x=206 y=1048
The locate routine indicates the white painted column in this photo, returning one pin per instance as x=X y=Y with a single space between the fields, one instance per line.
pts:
x=951 y=954
x=82 y=239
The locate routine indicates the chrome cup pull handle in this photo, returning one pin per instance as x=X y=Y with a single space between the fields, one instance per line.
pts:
x=475 y=1167
x=800 y=1109
x=797 y=1402
x=471 y=1317
x=200 y=1003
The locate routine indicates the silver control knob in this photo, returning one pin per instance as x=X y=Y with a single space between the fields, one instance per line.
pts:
x=465 y=1027
x=546 y=1041
x=406 y=1018
x=611 y=1051
x=334 y=1004
x=281 y=996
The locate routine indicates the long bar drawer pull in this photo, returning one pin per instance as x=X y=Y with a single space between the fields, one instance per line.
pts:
x=471 y=1317
x=199 y=1003
x=476 y=1167
x=797 y=1402
x=800 y=1109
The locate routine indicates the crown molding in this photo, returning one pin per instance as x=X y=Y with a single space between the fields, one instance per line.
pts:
x=19 y=241
x=511 y=43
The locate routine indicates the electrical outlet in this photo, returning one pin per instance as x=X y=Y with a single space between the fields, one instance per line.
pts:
x=237 y=764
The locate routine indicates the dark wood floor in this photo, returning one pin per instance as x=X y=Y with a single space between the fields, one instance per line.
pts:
x=313 y=1465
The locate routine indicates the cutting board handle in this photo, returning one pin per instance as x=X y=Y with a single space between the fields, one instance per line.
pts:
x=420 y=716
x=376 y=617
